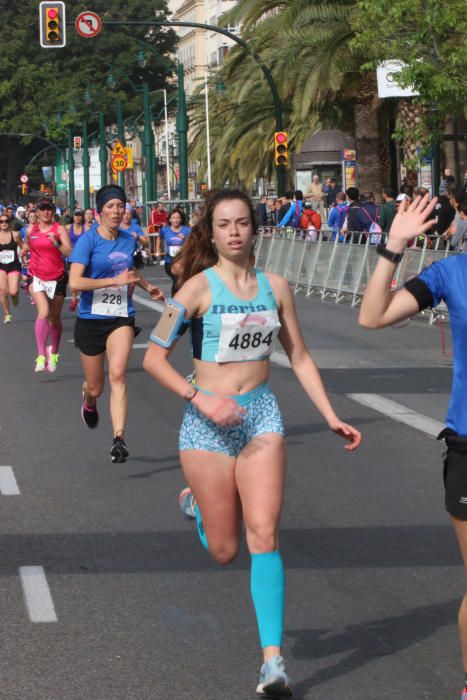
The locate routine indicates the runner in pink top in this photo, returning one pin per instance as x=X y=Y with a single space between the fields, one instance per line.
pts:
x=46 y=259
x=48 y=243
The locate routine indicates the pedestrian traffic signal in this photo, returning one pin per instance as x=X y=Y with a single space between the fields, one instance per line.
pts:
x=52 y=25
x=281 y=148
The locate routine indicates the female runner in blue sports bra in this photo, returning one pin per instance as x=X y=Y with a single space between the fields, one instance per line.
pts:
x=232 y=437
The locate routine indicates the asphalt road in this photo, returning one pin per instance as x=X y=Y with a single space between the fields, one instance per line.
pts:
x=136 y=609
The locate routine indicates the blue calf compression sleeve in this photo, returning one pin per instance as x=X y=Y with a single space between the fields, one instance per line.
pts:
x=268 y=593
x=200 y=528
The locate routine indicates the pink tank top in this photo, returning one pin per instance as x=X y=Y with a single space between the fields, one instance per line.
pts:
x=46 y=260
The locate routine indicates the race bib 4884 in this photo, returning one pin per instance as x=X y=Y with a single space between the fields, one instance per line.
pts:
x=247 y=336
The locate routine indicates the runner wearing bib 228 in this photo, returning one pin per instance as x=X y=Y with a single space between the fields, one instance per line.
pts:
x=102 y=270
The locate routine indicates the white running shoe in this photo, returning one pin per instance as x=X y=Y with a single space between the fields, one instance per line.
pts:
x=273 y=680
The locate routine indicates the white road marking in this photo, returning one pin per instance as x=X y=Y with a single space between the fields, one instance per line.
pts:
x=8 y=485
x=400 y=413
x=156 y=305
x=37 y=594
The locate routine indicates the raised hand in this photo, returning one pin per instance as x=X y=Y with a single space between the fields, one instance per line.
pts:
x=411 y=219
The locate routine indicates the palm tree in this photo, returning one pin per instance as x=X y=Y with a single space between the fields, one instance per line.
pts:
x=307 y=47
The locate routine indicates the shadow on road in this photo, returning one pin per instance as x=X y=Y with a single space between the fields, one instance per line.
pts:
x=367 y=641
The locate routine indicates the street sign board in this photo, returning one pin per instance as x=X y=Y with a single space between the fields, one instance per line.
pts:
x=129 y=157
x=24 y=179
x=388 y=86
x=119 y=163
x=119 y=149
x=88 y=24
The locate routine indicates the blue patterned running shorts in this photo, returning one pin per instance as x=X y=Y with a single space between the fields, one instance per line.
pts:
x=263 y=416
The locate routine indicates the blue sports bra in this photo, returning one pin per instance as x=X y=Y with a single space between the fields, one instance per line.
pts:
x=232 y=329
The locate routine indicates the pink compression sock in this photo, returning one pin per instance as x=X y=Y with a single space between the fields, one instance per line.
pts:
x=55 y=332
x=41 y=331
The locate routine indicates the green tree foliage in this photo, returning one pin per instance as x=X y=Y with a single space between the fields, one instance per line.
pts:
x=430 y=37
x=42 y=90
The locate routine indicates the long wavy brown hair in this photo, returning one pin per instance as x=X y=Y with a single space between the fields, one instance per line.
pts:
x=198 y=252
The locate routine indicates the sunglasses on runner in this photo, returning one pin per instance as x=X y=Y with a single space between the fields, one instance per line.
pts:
x=46 y=207
x=4 y=221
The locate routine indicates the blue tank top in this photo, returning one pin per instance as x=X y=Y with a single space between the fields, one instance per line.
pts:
x=232 y=329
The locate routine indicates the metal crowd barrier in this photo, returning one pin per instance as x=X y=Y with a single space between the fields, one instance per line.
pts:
x=338 y=269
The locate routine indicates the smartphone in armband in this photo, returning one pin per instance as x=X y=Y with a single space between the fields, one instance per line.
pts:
x=170 y=324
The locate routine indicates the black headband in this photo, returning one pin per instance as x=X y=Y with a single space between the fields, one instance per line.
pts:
x=108 y=193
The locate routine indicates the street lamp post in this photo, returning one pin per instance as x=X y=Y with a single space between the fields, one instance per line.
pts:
x=71 y=170
x=148 y=146
x=102 y=149
x=182 y=130
x=208 y=137
x=86 y=164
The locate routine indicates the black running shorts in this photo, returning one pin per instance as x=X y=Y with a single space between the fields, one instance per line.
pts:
x=455 y=475
x=91 y=333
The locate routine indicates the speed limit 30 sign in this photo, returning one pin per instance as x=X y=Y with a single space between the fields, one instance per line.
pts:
x=119 y=163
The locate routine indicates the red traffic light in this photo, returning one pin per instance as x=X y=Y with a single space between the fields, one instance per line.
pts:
x=281 y=148
x=52 y=24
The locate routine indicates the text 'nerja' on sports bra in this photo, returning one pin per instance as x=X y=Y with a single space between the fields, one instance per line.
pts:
x=232 y=329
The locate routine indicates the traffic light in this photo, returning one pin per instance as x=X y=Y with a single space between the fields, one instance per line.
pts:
x=52 y=25
x=281 y=148
x=24 y=189
x=42 y=187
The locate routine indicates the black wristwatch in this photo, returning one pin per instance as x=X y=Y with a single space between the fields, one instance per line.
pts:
x=389 y=254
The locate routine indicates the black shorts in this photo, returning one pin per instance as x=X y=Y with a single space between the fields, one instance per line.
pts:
x=91 y=333
x=60 y=289
x=455 y=474
x=11 y=267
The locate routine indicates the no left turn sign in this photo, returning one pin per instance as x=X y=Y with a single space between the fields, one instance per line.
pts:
x=88 y=24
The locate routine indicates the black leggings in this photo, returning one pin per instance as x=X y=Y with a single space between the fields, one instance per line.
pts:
x=168 y=269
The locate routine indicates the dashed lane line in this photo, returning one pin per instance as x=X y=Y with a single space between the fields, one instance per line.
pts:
x=8 y=485
x=37 y=596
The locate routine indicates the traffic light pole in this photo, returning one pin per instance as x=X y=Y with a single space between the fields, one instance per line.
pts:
x=280 y=169
x=71 y=171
